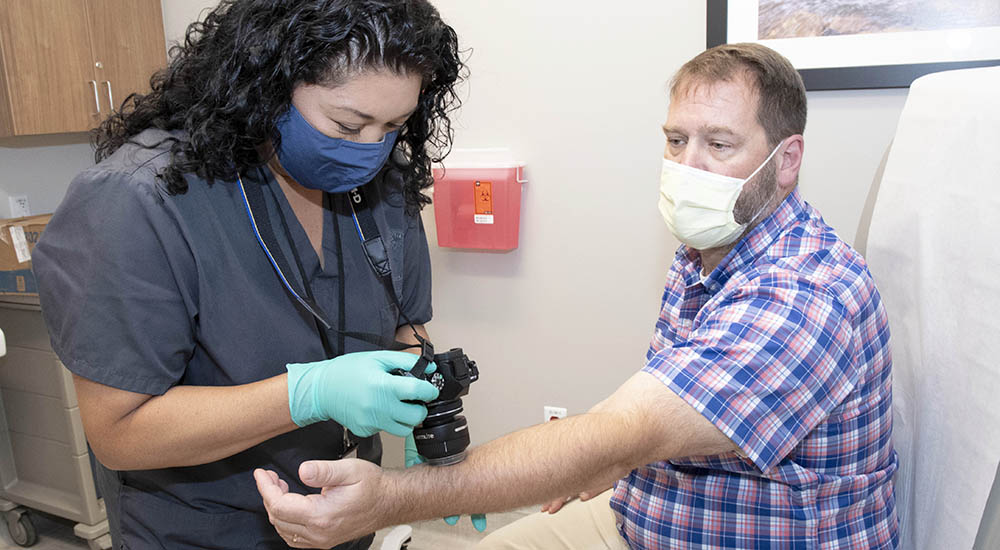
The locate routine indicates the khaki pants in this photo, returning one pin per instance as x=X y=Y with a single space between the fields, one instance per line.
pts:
x=578 y=526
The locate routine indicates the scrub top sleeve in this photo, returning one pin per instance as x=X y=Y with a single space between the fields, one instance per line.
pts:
x=416 y=301
x=113 y=271
x=766 y=367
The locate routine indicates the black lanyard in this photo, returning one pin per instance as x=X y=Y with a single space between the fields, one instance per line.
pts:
x=375 y=252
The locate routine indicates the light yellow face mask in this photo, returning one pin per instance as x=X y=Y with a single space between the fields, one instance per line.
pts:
x=697 y=205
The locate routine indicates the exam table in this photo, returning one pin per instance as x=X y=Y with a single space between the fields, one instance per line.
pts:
x=931 y=234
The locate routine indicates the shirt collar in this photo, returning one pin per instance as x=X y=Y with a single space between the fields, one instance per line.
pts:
x=747 y=250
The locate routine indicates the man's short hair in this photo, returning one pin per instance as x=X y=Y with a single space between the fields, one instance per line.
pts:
x=781 y=95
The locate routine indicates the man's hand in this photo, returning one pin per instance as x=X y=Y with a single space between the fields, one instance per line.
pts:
x=558 y=503
x=346 y=509
x=529 y=466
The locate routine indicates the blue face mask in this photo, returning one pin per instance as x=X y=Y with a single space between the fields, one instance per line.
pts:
x=334 y=165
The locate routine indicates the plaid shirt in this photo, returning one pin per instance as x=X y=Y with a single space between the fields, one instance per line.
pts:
x=785 y=348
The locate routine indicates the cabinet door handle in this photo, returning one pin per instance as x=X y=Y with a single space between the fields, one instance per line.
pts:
x=97 y=102
x=111 y=98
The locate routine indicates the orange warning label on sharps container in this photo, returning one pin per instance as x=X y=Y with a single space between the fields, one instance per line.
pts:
x=484 y=197
x=484 y=203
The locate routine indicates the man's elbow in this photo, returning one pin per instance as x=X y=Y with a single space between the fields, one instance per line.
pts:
x=664 y=425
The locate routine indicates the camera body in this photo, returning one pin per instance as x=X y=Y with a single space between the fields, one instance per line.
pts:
x=443 y=437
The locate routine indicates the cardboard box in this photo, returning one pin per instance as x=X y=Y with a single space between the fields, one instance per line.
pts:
x=17 y=240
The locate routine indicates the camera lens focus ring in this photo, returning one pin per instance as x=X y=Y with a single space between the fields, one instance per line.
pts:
x=444 y=443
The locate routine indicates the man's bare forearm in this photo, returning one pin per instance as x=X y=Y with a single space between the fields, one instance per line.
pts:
x=527 y=467
x=641 y=423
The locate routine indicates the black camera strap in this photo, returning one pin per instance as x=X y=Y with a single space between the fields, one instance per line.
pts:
x=375 y=252
x=378 y=258
x=309 y=298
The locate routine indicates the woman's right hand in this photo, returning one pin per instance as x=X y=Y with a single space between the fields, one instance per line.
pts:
x=357 y=391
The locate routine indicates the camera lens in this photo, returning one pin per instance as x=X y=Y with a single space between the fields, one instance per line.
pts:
x=444 y=435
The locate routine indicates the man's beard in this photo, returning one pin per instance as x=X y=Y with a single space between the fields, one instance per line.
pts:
x=756 y=195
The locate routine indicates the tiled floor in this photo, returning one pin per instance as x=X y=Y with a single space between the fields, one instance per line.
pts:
x=57 y=534
x=53 y=534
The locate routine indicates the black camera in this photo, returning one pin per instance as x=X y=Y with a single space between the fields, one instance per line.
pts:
x=443 y=436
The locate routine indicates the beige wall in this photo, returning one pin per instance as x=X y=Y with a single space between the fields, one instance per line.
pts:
x=40 y=168
x=578 y=91
x=178 y=14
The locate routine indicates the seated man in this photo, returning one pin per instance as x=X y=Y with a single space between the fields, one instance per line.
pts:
x=761 y=418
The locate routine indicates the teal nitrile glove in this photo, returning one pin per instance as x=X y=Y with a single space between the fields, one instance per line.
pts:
x=412 y=457
x=357 y=391
x=410 y=454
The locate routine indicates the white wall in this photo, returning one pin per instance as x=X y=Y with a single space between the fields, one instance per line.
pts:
x=178 y=14
x=578 y=90
x=846 y=136
x=40 y=168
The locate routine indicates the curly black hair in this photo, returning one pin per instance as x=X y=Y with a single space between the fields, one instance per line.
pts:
x=233 y=76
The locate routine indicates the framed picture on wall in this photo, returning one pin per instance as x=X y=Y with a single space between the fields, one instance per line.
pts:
x=847 y=44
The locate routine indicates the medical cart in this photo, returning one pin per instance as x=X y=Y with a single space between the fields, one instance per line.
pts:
x=44 y=461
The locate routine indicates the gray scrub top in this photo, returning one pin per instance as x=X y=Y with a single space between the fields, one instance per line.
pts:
x=144 y=291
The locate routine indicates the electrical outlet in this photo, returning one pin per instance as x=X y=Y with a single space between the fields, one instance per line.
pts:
x=19 y=206
x=552 y=413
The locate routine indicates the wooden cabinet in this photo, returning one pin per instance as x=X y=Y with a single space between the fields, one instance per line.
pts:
x=65 y=64
x=128 y=42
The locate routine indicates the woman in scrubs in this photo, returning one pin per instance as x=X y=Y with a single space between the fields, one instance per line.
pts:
x=211 y=283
